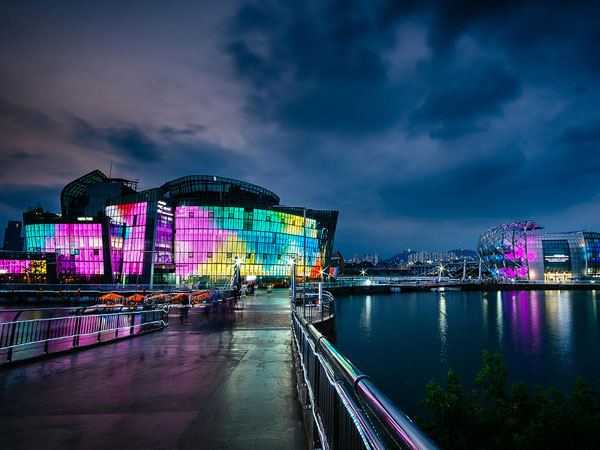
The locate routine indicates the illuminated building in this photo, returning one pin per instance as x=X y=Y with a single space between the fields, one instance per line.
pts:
x=22 y=267
x=188 y=229
x=518 y=251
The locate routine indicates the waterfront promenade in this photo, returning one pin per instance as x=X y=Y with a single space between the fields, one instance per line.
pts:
x=206 y=381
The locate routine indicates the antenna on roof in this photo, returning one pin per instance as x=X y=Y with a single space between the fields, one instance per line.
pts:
x=110 y=171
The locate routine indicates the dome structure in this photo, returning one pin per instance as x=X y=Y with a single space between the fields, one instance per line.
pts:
x=504 y=252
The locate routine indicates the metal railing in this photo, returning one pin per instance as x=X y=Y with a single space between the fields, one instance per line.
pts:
x=35 y=337
x=350 y=413
x=314 y=308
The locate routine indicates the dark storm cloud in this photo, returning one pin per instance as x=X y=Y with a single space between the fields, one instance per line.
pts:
x=463 y=190
x=192 y=129
x=134 y=143
x=317 y=67
x=331 y=69
x=129 y=140
x=23 y=117
x=462 y=97
x=402 y=114
x=578 y=135
x=177 y=150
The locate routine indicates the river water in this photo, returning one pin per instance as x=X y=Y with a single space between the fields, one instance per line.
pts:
x=403 y=340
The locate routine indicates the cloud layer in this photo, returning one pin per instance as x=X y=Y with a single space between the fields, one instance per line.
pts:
x=422 y=122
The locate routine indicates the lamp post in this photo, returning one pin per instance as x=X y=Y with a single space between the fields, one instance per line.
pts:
x=152 y=252
x=304 y=272
x=292 y=265
x=237 y=276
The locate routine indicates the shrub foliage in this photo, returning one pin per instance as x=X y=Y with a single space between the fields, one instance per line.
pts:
x=498 y=414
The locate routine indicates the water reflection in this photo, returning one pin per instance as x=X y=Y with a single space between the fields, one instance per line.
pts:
x=499 y=325
x=560 y=324
x=546 y=337
x=443 y=331
x=485 y=312
x=365 y=317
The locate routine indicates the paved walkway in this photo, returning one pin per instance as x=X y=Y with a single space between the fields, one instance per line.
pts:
x=206 y=382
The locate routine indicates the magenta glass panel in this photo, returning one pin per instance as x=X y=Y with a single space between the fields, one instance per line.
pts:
x=78 y=246
x=163 y=240
x=127 y=237
x=14 y=266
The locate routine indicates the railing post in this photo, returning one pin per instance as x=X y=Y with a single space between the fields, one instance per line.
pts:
x=117 y=327
x=12 y=341
x=335 y=439
x=76 y=331
x=99 y=327
x=47 y=343
x=132 y=323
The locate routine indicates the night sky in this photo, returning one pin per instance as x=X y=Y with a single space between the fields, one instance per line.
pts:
x=422 y=122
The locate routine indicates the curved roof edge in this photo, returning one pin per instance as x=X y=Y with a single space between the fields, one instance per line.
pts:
x=77 y=187
x=190 y=184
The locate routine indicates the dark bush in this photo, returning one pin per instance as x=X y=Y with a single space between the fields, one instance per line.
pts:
x=498 y=414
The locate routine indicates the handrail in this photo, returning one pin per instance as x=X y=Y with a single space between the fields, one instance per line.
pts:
x=17 y=334
x=325 y=310
x=41 y=319
x=364 y=399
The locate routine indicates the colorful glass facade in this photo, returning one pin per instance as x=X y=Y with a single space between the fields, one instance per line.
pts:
x=193 y=227
x=78 y=248
x=21 y=267
x=208 y=240
x=127 y=224
x=163 y=240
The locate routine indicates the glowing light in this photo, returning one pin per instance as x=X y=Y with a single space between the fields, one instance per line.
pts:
x=78 y=246
x=207 y=238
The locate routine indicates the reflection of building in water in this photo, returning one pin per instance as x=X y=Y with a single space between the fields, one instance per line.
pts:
x=518 y=251
x=443 y=330
x=499 y=324
x=524 y=326
x=560 y=323
x=365 y=317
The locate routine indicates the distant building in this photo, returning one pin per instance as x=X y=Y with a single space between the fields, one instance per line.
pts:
x=431 y=257
x=13 y=241
x=372 y=258
x=517 y=251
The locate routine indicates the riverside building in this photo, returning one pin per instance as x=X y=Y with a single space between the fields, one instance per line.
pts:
x=189 y=229
x=519 y=251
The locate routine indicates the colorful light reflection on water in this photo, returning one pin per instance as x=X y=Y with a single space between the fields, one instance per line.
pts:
x=403 y=340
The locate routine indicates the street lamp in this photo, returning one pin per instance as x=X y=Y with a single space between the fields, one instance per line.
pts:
x=292 y=263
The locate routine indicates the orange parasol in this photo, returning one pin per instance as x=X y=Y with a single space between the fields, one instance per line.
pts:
x=180 y=296
x=136 y=298
x=112 y=296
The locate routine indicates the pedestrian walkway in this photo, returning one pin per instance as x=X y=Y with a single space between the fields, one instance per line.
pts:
x=208 y=381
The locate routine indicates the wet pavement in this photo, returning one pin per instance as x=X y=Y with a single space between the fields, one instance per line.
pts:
x=208 y=381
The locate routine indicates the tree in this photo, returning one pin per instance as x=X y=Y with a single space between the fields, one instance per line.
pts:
x=502 y=415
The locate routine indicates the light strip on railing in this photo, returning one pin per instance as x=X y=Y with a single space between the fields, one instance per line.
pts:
x=162 y=322
x=364 y=387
